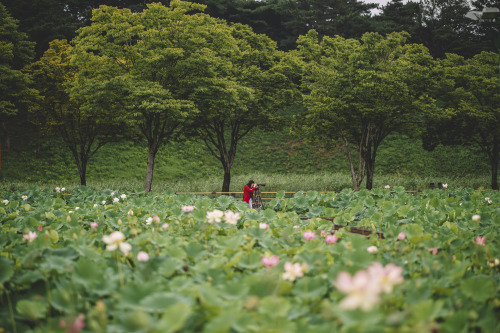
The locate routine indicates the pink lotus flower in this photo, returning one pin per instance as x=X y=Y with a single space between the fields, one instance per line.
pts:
x=165 y=225
x=387 y=276
x=361 y=289
x=293 y=271
x=76 y=326
x=156 y=219
x=296 y=226
x=142 y=256
x=323 y=233
x=401 y=236
x=39 y=227
x=30 y=236
x=331 y=239
x=187 y=208
x=263 y=226
x=387 y=186
x=270 y=261
x=309 y=235
x=93 y=225
x=481 y=240
x=433 y=250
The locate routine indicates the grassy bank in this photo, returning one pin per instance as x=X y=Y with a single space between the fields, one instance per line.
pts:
x=274 y=182
x=275 y=158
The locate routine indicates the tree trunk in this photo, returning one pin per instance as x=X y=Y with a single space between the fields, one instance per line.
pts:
x=369 y=174
x=150 y=168
x=83 y=173
x=370 y=166
x=227 y=179
x=6 y=137
x=494 y=166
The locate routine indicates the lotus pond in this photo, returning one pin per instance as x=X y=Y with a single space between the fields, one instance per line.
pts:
x=104 y=261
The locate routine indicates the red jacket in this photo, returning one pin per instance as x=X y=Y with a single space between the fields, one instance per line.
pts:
x=247 y=192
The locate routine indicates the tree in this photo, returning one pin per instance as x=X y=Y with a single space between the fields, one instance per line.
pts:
x=470 y=111
x=15 y=52
x=359 y=92
x=398 y=16
x=443 y=28
x=46 y=20
x=247 y=94
x=84 y=132
x=158 y=57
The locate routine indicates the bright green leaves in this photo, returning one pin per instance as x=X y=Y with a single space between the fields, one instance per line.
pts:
x=479 y=288
x=210 y=277
x=6 y=270
x=31 y=310
x=359 y=92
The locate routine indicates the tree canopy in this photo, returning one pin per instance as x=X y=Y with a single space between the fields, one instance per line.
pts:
x=470 y=111
x=82 y=130
x=16 y=51
x=359 y=92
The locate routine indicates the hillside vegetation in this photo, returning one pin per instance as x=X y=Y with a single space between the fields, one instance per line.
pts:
x=275 y=157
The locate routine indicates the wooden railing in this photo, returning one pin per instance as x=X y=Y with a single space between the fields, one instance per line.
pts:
x=265 y=196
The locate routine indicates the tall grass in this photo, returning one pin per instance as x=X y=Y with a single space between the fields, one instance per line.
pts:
x=321 y=181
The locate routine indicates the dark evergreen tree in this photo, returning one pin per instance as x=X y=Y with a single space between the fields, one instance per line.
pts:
x=15 y=52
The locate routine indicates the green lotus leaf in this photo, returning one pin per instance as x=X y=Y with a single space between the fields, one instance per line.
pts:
x=231 y=243
x=308 y=288
x=6 y=269
x=61 y=299
x=451 y=226
x=479 y=288
x=233 y=290
x=403 y=211
x=277 y=325
x=174 y=317
x=28 y=277
x=274 y=306
x=169 y=266
x=31 y=310
x=225 y=201
x=250 y=261
x=160 y=301
x=195 y=251
x=56 y=264
x=223 y=322
x=426 y=310
x=267 y=284
x=300 y=201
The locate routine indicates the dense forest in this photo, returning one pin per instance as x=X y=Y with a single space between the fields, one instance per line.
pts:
x=284 y=86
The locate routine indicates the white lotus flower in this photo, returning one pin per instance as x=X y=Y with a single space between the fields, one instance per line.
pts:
x=214 y=216
x=113 y=240
x=123 y=196
x=231 y=218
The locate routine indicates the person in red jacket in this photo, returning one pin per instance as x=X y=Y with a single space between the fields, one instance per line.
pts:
x=247 y=192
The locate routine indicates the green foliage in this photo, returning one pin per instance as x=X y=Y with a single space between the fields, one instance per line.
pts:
x=359 y=92
x=202 y=276
x=469 y=113
x=15 y=52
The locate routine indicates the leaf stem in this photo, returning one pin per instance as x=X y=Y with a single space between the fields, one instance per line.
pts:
x=11 y=313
